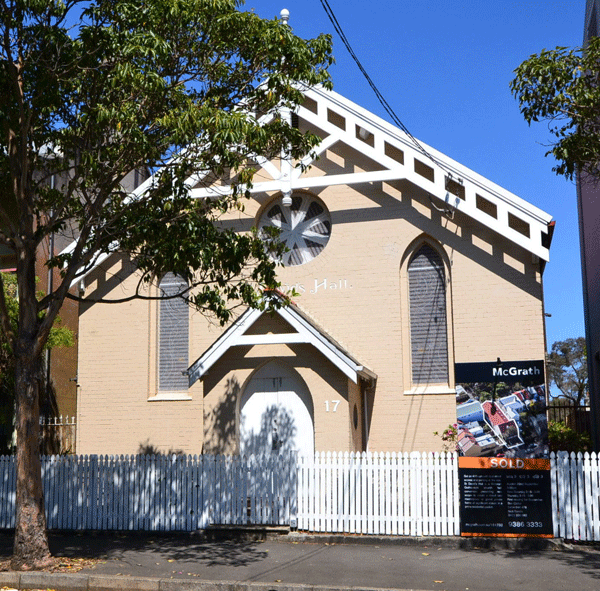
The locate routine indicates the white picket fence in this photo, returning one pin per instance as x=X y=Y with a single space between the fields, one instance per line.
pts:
x=387 y=494
x=158 y=493
x=576 y=496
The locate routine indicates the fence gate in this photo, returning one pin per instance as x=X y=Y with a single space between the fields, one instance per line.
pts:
x=255 y=490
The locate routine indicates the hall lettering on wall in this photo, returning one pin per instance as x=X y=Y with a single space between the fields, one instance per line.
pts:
x=318 y=286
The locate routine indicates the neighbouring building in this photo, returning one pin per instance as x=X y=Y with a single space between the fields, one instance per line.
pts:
x=404 y=263
x=588 y=198
x=60 y=365
x=58 y=405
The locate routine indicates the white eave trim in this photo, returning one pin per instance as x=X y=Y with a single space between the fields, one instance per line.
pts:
x=473 y=183
x=228 y=339
x=307 y=333
x=383 y=132
x=506 y=203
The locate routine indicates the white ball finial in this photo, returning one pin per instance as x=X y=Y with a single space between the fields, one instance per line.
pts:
x=285 y=16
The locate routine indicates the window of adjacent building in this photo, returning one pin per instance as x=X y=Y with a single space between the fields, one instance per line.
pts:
x=428 y=322
x=593 y=25
x=173 y=335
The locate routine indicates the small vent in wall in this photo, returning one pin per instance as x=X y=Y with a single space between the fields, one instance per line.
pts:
x=424 y=170
x=455 y=188
x=365 y=136
x=311 y=105
x=518 y=224
x=486 y=206
x=394 y=153
x=336 y=119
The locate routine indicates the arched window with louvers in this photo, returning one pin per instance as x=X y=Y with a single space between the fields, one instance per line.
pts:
x=173 y=334
x=428 y=317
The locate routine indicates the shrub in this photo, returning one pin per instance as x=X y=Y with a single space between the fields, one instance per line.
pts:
x=563 y=438
x=449 y=437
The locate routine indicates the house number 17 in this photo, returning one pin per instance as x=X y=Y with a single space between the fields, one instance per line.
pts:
x=331 y=405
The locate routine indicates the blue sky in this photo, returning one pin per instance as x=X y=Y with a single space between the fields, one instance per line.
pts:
x=445 y=67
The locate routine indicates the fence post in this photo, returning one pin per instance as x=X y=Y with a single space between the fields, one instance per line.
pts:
x=293 y=491
x=595 y=496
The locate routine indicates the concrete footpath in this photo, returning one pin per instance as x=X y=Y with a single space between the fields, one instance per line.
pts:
x=188 y=562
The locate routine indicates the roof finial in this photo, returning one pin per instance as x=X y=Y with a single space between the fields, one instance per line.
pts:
x=285 y=16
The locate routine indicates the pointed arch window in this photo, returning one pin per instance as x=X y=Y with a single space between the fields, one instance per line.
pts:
x=428 y=317
x=173 y=335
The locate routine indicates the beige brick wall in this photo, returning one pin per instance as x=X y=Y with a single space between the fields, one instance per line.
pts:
x=355 y=290
x=116 y=414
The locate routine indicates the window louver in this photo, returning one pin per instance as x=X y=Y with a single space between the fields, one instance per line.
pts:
x=173 y=336
x=428 y=323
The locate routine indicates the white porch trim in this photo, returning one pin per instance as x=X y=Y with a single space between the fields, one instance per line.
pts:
x=306 y=332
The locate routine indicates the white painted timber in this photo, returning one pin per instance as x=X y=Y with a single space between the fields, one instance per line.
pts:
x=222 y=344
x=306 y=332
x=355 y=118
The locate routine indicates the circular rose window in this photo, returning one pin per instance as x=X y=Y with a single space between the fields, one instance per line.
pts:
x=305 y=227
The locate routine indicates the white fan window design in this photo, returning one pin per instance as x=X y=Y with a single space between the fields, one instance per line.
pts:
x=305 y=227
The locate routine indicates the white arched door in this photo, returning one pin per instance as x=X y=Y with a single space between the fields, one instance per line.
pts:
x=276 y=414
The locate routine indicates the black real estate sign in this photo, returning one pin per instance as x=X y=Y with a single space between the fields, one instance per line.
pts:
x=524 y=372
x=505 y=497
x=501 y=412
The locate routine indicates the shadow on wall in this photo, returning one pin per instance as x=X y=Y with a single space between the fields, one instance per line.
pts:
x=220 y=433
x=276 y=433
x=149 y=449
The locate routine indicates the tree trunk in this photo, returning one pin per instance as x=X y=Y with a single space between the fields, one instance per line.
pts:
x=30 y=551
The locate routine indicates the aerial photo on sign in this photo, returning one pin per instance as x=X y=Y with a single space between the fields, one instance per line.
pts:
x=501 y=409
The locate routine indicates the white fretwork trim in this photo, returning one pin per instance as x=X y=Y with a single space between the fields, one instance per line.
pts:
x=389 y=169
x=306 y=332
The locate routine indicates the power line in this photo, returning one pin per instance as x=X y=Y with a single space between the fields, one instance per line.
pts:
x=390 y=111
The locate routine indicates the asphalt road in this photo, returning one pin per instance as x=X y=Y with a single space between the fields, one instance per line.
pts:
x=428 y=565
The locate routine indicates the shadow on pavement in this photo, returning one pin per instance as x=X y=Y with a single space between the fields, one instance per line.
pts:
x=169 y=546
x=585 y=560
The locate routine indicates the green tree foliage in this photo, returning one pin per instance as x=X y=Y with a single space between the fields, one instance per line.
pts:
x=7 y=372
x=92 y=90
x=60 y=336
x=567 y=369
x=564 y=438
x=562 y=86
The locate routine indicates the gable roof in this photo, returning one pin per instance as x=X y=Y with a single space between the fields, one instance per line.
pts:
x=397 y=156
x=400 y=158
x=304 y=330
